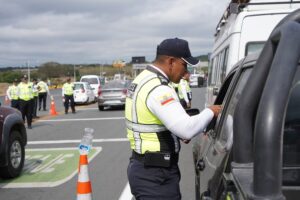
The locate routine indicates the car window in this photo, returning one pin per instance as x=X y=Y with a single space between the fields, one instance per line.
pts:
x=115 y=84
x=291 y=141
x=78 y=86
x=225 y=129
x=90 y=80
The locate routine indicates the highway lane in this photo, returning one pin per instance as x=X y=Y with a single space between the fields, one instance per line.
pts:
x=108 y=168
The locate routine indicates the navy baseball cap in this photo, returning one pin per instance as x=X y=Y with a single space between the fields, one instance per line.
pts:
x=178 y=48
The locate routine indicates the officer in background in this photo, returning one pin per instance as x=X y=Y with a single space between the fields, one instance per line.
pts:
x=43 y=92
x=184 y=91
x=12 y=94
x=155 y=121
x=25 y=100
x=67 y=93
x=35 y=94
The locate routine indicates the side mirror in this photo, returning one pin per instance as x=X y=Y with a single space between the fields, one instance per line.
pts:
x=192 y=111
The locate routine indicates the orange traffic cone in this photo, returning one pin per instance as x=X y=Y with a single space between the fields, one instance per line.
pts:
x=84 y=186
x=52 y=107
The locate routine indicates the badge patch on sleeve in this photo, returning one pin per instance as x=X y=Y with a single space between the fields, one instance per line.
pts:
x=166 y=99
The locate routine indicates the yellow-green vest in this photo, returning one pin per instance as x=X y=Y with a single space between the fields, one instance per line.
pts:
x=35 y=91
x=25 y=91
x=42 y=86
x=187 y=88
x=68 y=88
x=144 y=130
x=13 y=92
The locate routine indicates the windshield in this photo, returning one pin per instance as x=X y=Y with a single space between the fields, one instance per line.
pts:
x=115 y=84
x=90 y=80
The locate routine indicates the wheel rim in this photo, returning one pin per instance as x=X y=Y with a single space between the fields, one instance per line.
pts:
x=16 y=154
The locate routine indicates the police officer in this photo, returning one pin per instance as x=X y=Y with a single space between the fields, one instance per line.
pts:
x=43 y=92
x=12 y=94
x=35 y=94
x=155 y=121
x=25 y=100
x=67 y=93
x=184 y=91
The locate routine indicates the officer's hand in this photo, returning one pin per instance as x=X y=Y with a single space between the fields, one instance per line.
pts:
x=216 y=109
x=63 y=99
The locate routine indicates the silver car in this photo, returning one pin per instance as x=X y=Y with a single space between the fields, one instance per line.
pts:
x=113 y=93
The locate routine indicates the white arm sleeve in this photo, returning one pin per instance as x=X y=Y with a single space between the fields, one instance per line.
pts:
x=173 y=116
x=8 y=93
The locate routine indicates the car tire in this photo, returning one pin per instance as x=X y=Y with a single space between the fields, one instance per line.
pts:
x=101 y=108
x=15 y=155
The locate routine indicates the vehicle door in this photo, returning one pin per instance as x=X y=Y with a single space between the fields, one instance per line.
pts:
x=221 y=135
x=90 y=92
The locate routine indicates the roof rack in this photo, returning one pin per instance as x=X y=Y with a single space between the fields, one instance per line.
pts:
x=236 y=6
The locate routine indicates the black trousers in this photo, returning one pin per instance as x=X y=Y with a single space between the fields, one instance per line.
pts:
x=42 y=99
x=15 y=104
x=69 y=99
x=26 y=110
x=34 y=106
x=153 y=183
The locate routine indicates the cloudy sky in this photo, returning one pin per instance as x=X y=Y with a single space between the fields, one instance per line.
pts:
x=100 y=31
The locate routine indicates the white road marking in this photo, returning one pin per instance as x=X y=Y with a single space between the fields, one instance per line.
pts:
x=126 y=194
x=82 y=119
x=77 y=141
x=48 y=184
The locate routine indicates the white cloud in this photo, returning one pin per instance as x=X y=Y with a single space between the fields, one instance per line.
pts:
x=89 y=31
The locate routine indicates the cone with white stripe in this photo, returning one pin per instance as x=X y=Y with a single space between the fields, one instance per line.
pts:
x=84 y=186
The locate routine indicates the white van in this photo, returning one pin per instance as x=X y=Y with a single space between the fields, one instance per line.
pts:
x=94 y=81
x=242 y=30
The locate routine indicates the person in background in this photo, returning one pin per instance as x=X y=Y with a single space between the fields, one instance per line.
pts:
x=25 y=100
x=156 y=121
x=184 y=91
x=67 y=93
x=35 y=92
x=43 y=92
x=12 y=94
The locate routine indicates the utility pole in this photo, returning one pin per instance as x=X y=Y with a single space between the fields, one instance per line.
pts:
x=28 y=71
x=74 y=73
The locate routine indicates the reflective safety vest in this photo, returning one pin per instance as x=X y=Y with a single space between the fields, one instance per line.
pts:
x=175 y=86
x=25 y=91
x=184 y=83
x=68 y=88
x=43 y=87
x=144 y=130
x=35 y=91
x=13 y=92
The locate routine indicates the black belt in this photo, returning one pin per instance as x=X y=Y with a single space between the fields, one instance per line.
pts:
x=156 y=159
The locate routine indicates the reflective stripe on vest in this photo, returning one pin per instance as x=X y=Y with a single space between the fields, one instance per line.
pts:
x=25 y=91
x=144 y=130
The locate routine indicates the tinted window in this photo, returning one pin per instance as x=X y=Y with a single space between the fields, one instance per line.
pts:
x=115 y=84
x=90 y=80
x=226 y=131
x=78 y=86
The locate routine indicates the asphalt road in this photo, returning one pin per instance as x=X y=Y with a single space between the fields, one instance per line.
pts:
x=107 y=170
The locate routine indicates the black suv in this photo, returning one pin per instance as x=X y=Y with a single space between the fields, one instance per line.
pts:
x=13 y=138
x=252 y=150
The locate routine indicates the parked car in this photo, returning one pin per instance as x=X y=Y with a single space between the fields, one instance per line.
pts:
x=83 y=93
x=13 y=138
x=94 y=81
x=252 y=150
x=196 y=80
x=113 y=93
